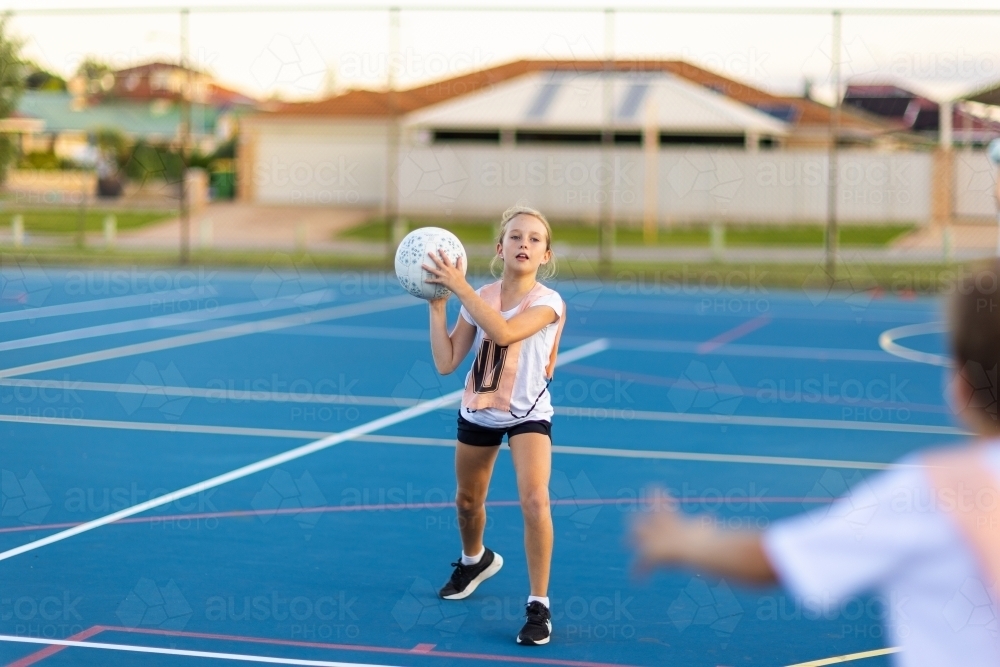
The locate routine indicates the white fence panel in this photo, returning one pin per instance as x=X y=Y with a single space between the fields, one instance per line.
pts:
x=694 y=185
x=975 y=185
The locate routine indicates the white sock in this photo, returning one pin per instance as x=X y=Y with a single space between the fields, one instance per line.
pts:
x=472 y=560
x=535 y=598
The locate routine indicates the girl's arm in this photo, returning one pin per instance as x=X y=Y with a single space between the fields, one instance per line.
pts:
x=663 y=537
x=500 y=331
x=449 y=350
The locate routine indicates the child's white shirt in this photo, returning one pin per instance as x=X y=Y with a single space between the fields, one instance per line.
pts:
x=888 y=536
x=530 y=400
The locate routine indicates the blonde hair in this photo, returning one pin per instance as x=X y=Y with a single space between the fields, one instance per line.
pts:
x=546 y=271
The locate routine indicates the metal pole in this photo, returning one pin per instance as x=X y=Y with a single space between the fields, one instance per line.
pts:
x=185 y=139
x=832 y=167
x=607 y=219
x=393 y=220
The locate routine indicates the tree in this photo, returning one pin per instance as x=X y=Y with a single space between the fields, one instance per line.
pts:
x=97 y=75
x=37 y=77
x=11 y=87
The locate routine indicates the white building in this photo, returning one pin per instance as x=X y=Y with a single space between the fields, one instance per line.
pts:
x=660 y=138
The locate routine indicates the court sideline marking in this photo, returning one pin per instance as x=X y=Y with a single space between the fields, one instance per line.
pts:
x=601 y=414
x=420 y=649
x=131 y=648
x=424 y=407
x=96 y=305
x=159 y=322
x=221 y=333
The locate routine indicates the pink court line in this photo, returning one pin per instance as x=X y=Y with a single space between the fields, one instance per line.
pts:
x=733 y=334
x=419 y=649
x=396 y=507
x=38 y=656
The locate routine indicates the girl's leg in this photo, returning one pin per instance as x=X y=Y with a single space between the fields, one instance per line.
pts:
x=532 y=454
x=473 y=469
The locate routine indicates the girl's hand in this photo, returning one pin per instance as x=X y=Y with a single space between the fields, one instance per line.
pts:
x=444 y=272
x=660 y=534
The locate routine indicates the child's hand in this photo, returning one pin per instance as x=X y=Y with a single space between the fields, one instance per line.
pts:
x=444 y=272
x=660 y=534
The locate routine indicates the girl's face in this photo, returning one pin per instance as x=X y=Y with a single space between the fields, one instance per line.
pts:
x=524 y=246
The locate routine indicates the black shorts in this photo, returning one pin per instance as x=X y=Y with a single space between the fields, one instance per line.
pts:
x=483 y=436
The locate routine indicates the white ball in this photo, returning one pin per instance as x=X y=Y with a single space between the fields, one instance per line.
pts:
x=993 y=152
x=412 y=254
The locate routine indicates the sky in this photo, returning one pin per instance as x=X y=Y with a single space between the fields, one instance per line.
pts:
x=307 y=54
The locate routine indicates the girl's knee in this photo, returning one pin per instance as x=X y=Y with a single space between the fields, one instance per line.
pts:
x=466 y=501
x=535 y=505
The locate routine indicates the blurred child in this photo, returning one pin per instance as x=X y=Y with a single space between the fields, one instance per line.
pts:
x=933 y=540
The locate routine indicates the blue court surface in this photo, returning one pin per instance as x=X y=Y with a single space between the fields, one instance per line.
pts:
x=121 y=386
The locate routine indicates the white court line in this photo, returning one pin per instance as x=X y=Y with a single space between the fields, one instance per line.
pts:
x=95 y=305
x=887 y=341
x=655 y=454
x=442 y=442
x=221 y=333
x=166 y=428
x=741 y=420
x=601 y=414
x=335 y=439
x=131 y=648
x=747 y=350
x=159 y=322
x=222 y=395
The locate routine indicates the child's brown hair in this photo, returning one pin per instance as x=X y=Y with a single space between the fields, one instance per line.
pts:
x=974 y=322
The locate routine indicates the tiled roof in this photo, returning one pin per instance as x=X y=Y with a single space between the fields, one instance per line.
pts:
x=370 y=103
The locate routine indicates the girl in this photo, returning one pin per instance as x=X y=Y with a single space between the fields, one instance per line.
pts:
x=514 y=324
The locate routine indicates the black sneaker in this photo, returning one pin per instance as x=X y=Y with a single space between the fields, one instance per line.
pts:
x=466 y=578
x=538 y=628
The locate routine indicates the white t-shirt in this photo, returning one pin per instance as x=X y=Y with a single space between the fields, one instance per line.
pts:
x=888 y=535
x=530 y=399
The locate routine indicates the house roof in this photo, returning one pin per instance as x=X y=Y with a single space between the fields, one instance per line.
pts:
x=799 y=111
x=149 y=120
x=988 y=95
x=571 y=100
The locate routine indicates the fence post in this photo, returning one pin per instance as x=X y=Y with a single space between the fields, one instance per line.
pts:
x=17 y=230
x=110 y=230
x=205 y=232
x=718 y=240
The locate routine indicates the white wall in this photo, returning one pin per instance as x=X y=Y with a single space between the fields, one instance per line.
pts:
x=323 y=163
x=975 y=184
x=693 y=184
x=320 y=163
